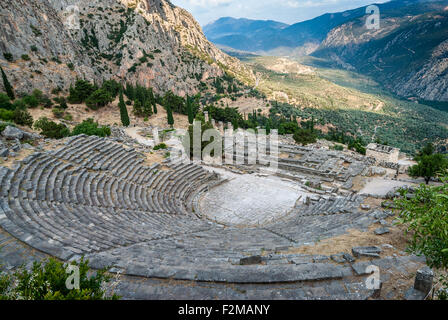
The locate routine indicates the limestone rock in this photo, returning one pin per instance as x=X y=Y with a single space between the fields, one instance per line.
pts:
x=372 y=251
x=381 y=231
x=12 y=133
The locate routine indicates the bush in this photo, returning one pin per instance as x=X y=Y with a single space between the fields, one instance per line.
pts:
x=58 y=113
x=5 y=102
x=160 y=146
x=429 y=166
x=23 y=117
x=304 y=136
x=62 y=102
x=68 y=117
x=90 y=128
x=338 y=147
x=71 y=66
x=26 y=57
x=52 y=129
x=98 y=99
x=425 y=216
x=31 y=101
x=6 y=115
x=19 y=104
x=47 y=281
x=8 y=56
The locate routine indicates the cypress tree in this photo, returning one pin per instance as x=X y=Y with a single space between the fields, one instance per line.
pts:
x=169 y=114
x=155 y=107
x=7 y=85
x=130 y=92
x=189 y=111
x=147 y=109
x=268 y=127
x=123 y=111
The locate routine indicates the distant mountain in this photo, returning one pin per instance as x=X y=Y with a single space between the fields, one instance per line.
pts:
x=271 y=37
x=243 y=34
x=408 y=54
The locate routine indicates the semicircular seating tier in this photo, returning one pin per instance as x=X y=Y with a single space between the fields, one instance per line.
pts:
x=96 y=198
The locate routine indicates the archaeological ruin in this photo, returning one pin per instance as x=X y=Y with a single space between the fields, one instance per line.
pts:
x=172 y=230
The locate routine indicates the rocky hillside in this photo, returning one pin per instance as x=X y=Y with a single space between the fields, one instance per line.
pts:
x=151 y=42
x=408 y=54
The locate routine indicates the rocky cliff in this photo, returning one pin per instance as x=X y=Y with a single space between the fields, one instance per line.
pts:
x=408 y=54
x=47 y=44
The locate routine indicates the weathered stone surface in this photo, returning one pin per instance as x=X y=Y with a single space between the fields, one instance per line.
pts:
x=339 y=258
x=424 y=280
x=382 y=231
x=349 y=258
x=251 y=260
x=4 y=152
x=414 y=295
x=372 y=251
x=12 y=133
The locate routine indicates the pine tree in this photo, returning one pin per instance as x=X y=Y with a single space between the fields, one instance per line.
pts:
x=7 y=85
x=190 y=111
x=123 y=111
x=169 y=114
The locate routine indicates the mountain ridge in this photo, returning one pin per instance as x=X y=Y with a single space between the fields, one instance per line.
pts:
x=151 y=42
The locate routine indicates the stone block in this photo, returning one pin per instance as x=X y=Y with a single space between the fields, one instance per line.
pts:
x=424 y=280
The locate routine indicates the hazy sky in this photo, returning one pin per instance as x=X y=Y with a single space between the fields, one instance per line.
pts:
x=288 y=11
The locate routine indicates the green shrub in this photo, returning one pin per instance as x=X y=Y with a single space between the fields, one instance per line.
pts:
x=26 y=57
x=56 y=90
x=425 y=217
x=6 y=115
x=31 y=101
x=68 y=117
x=19 y=104
x=338 y=147
x=23 y=117
x=47 y=281
x=5 y=102
x=304 y=136
x=71 y=66
x=57 y=112
x=51 y=129
x=36 y=31
x=160 y=146
x=8 y=56
x=91 y=128
x=33 y=48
